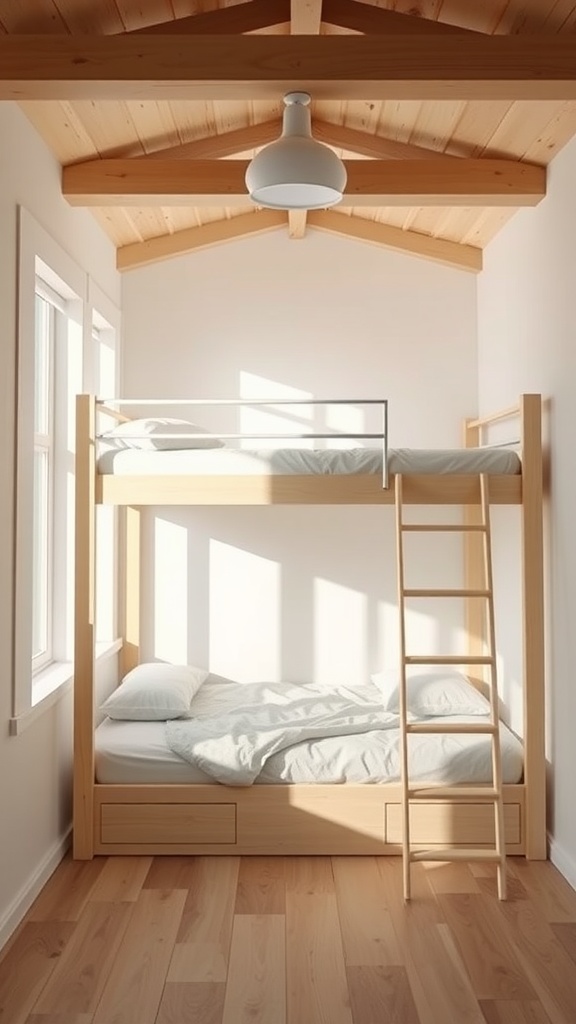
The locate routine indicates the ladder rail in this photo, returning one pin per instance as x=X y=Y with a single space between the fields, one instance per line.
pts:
x=500 y=843
x=483 y=589
x=402 y=693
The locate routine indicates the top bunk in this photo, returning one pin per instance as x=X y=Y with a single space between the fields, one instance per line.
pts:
x=165 y=460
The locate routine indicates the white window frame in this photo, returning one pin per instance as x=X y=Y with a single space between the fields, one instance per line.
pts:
x=44 y=443
x=104 y=324
x=34 y=692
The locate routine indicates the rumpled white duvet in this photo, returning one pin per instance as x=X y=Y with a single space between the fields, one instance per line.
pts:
x=233 y=746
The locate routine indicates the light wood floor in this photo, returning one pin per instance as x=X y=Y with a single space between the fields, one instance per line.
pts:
x=295 y=940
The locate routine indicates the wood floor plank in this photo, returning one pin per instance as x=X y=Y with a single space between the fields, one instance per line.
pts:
x=368 y=934
x=514 y=888
x=490 y=959
x=192 y=1002
x=140 y=940
x=67 y=891
x=60 y=1018
x=549 y=890
x=381 y=994
x=261 y=886
x=423 y=904
x=121 y=879
x=509 y=1012
x=454 y=877
x=78 y=979
x=544 y=958
x=28 y=964
x=203 y=942
x=134 y=988
x=438 y=977
x=316 y=984
x=256 y=988
x=174 y=873
x=312 y=875
x=566 y=934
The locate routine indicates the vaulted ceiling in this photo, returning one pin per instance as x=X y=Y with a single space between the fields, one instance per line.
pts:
x=447 y=112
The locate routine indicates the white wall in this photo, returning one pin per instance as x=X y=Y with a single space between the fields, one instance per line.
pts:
x=301 y=592
x=527 y=342
x=35 y=767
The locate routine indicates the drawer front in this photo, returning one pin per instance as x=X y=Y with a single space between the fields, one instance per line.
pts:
x=445 y=824
x=168 y=823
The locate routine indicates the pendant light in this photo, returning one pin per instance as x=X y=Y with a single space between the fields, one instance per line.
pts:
x=296 y=172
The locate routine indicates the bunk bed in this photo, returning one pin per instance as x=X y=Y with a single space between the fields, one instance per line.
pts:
x=178 y=817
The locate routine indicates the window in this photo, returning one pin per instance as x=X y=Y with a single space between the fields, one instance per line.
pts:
x=66 y=345
x=105 y=359
x=43 y=517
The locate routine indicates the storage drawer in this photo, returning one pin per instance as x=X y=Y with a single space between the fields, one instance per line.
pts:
x=445 y=824
x=168 y=823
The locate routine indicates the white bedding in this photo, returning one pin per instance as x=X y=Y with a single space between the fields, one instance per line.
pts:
x=290 y=461
x=139 y=752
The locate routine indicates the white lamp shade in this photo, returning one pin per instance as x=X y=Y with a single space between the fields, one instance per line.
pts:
x=296 y=172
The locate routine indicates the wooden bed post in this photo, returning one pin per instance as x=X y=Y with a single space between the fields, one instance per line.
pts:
x=83 y=799
x=130 y=656
x=533 y=632
x=474 y=611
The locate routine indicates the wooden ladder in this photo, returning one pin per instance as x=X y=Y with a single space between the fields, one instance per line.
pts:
x=491 y=793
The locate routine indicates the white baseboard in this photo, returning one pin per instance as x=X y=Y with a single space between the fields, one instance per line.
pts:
x=24 y=899
x=564 y=861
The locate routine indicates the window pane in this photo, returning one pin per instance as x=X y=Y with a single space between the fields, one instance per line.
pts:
x=40 y=568
x=44 y=315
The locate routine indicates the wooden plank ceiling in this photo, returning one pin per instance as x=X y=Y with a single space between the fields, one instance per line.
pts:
x=445 y=131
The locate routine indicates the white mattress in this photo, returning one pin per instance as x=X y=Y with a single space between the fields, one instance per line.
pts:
x=138 y=752
x=290 y=461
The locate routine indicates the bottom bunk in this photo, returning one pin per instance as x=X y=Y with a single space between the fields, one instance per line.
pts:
x=292 y=820
x=324 y=765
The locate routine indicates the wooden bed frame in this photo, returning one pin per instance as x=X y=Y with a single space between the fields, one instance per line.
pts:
x=300 y=819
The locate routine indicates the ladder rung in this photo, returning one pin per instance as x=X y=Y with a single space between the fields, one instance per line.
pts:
x=455 y=854
x=454 y=793
x=443 y=528
x=449 y=659
x=452 y=727
x=460 y=592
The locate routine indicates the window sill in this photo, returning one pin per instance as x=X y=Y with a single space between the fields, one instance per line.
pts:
x=52 y=684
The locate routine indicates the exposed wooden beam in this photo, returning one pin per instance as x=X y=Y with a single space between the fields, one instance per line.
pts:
x=372 y=20
x=447 y=182
x=227 y=144
x=154 y=250
x=245 y=17
x=451 y=254
x=297 y=223
x=305 y=17
x=252 y=136
x=254 y=67
x=139 y=254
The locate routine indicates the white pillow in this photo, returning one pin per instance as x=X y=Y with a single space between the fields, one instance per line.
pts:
x=149 y=433
x=155 y=692
x=432 y=691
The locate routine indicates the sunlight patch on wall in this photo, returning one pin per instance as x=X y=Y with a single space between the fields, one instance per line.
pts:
x=170 y=591
x=106 y=364
x=105 y=572
x=439 y=631
x=340 y=634
x=278 y=419
x=350 y=419
x=245 y=611
x=388 y=636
